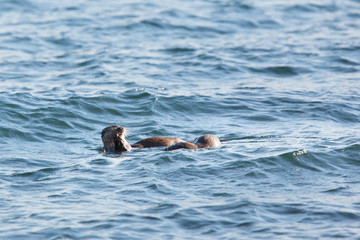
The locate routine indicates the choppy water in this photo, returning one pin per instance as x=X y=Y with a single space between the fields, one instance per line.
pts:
x=278 y=78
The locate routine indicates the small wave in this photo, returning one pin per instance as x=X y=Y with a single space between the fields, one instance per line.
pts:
x=336 y=216
x=347 y=61
x=349 y=156
x=62 y=42
x=335 y=190
x=15 y=5
x=300 y=159
x=157 y=23
x=310 y=8
x=179 y=50
x=261 y=118
x=279 y=70
x=236 y=5
x=300 y=152
x=38 y=175
x=101 y=161
x=20 y=134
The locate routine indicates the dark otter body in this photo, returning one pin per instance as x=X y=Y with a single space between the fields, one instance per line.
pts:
x=114 y=140
x=156 y=142
x=205 y=141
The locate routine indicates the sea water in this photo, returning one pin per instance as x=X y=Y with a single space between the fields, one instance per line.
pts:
x=279 y=79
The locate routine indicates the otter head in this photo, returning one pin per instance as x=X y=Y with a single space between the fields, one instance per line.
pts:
x=207 y=141
x=114 y=140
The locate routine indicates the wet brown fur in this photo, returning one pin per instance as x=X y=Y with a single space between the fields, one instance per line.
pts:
x=156 y=142
x=205 y=141
x=113 y=138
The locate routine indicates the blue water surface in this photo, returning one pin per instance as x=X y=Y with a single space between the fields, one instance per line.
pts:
x=280 y=79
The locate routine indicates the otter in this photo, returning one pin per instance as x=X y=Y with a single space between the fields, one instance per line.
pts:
x=113 y=138
x=156 y=142
x=205 y=141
